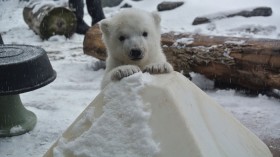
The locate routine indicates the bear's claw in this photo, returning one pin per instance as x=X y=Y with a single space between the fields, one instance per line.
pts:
x=158 y=68
x=124 y=71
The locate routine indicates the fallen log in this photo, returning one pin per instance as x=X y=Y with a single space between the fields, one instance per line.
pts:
x=47 y=19
x=260 y=11
x=250 y=63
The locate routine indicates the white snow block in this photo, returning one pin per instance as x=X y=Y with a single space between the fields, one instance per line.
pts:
x=183 y=122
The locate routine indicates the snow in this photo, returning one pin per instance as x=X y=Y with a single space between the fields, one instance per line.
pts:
x=185 y=40
x=37 y=4
x=121 y=131
x=260 y=114
x=201 y=81
x=180 y=20
x=58 y=104
x=240 y=42
x=16 y=129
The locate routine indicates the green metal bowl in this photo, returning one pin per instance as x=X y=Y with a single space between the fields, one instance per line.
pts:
x=23 y=68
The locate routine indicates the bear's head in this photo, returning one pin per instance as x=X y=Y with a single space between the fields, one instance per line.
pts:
x=132 y=36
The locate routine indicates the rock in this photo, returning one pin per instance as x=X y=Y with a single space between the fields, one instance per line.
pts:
x=110 y=3
x=168 y=5
x=260 y=11
x=201 y=20
x=184 y=121
x=126 y=5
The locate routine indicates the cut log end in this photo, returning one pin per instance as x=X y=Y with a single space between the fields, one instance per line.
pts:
x=59 y=21
x=93 y=45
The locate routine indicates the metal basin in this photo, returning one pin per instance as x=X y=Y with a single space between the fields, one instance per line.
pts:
x=23 y=68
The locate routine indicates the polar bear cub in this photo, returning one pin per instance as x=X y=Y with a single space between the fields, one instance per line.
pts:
x=132 y=38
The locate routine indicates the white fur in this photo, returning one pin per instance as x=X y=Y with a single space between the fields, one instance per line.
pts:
x=131 y=24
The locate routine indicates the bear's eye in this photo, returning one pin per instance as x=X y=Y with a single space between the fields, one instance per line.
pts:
x=145 y=34
x=121 y=38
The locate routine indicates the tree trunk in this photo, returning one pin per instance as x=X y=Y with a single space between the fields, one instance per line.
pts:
x=249 y=63
x=47 y=20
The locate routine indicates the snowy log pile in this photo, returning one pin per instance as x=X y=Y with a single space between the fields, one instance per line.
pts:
x=250 y=63
x=48 y=19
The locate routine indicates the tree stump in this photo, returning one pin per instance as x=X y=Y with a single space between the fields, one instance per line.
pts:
x=250 y=63
x=47 y=19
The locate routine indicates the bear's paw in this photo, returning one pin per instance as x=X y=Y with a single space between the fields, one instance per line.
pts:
x=158 y=68
x=124 y=71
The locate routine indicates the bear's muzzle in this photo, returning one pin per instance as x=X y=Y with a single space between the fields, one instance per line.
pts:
x=136 y=54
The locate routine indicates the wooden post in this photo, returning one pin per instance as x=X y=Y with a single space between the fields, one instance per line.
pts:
x=250 y=63
x=47 y=20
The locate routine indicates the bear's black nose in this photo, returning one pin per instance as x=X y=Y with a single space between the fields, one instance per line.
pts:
x=135 y=54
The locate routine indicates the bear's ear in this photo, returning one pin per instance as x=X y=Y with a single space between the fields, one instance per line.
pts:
x=104 y=26
x=156 y=17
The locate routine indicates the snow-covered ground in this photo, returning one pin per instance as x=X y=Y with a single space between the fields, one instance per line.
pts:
x=59 y=103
